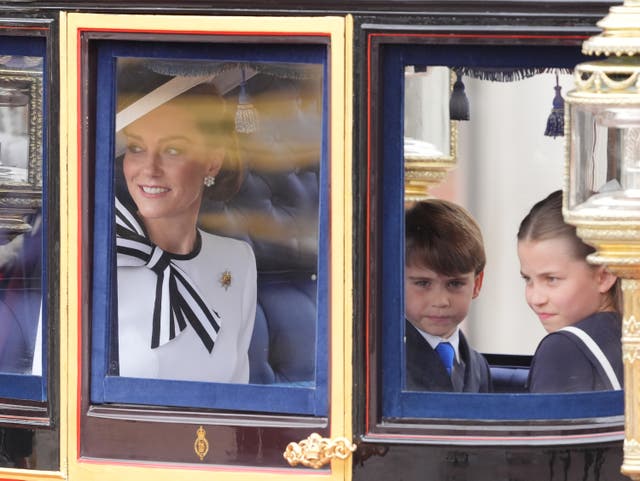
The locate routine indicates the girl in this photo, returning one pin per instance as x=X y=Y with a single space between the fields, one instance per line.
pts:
x=576 y=302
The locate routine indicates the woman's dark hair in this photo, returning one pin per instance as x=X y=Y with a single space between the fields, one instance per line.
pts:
x=216 y=121
x=545 y=221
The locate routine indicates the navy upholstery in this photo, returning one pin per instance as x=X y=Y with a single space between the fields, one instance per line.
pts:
x=509 y=372
x=283 y=345
x=277 y=214
x=509 y=379
x=276 y=210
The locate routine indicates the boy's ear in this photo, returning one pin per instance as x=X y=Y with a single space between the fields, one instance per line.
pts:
x=606 y=279
x=477 y=284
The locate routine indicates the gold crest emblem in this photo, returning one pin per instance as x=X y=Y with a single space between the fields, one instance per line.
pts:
x=201 y=445
x=225 y=279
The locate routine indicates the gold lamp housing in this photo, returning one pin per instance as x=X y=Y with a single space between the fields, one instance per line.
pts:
x=424 y=170
x=602 y=186
x=428 y=158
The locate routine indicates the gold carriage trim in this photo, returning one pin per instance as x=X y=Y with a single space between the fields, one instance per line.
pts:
x=201 y=445
x=316 y=451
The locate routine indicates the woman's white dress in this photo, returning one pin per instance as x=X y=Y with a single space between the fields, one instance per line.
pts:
x=224 y=271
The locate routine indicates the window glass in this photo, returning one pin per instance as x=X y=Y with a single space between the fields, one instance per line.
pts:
x=24 y=320
x=22 y=360
x=495 y=115
x=216 y=263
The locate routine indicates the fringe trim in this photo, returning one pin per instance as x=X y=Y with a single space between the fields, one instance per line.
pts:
x=507 y=74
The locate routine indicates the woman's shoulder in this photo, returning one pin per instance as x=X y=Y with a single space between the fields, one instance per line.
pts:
x=228 y=245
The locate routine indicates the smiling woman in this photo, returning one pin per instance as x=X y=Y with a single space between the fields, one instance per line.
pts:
x=167 y=159
x=178 y=323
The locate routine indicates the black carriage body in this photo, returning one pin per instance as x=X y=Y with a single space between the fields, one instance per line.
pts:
x=388 y=448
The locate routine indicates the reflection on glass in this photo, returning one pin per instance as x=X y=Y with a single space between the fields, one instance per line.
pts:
x=20 y=100
x=20 y=296
x=22 y=354
x=20 y=215
x=29 y=449
x=14 y=141
x=217 y=220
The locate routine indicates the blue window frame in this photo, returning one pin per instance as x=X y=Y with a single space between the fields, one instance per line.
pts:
x=397 y=402
x=23 y=274
x=270 y=389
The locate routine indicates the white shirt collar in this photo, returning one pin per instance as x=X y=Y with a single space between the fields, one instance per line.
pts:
x=433 y=341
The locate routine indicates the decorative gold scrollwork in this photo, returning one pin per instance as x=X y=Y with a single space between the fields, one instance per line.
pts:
x=316 y=451
x=631 y=327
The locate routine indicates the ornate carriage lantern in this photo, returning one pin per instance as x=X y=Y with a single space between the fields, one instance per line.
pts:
x=424 y=168
x=602 y=189
x=430 y=135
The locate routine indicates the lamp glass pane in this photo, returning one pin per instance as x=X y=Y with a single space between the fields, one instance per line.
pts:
x=426 y=113
x=605 y=157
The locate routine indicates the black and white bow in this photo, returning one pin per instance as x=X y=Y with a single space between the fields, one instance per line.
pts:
x=177 y=299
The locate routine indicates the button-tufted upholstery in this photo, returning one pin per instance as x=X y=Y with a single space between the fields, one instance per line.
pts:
x=276 y=210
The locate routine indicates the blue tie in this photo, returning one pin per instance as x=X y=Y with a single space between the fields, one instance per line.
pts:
x=446 y=353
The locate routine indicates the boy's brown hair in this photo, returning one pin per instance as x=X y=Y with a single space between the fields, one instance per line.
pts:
x=442 y=236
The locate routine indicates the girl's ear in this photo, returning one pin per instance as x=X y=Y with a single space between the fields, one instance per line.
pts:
x=215 y=159
x=606 y=279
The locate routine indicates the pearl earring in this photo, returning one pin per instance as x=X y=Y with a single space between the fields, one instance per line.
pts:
x=209 y=180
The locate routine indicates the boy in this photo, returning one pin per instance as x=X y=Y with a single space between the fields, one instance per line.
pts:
x=444 y=262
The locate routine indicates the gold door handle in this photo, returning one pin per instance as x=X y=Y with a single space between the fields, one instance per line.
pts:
x=316 y=451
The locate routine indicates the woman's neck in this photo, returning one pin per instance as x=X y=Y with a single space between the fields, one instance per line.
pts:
x=177 y=236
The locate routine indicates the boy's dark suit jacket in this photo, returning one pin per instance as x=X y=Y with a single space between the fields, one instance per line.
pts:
x=425 y=371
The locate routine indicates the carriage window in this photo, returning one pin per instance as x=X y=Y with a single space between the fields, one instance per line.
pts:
x=21 y=226
x=28 y=437
x=209 y=153
x=491 y=164
x=492 y=128
x=208 y=238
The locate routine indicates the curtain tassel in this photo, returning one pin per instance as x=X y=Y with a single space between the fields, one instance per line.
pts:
x=458 y=103
x=555 y=122
x=246 y=114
